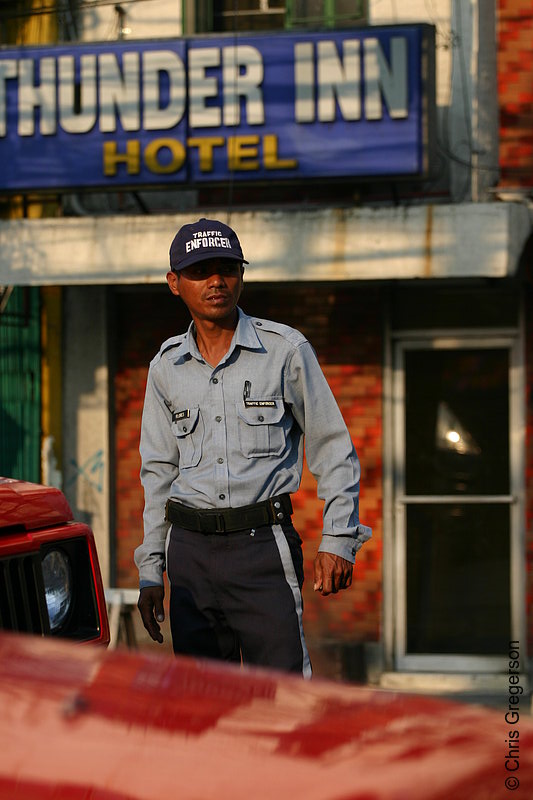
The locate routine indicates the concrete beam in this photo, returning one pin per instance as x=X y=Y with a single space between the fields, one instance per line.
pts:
x=440 y=241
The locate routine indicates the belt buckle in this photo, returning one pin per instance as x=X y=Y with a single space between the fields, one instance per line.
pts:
x=220 y=526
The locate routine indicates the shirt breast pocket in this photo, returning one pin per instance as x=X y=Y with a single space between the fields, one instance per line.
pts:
x=262 y=429
x=189 y=433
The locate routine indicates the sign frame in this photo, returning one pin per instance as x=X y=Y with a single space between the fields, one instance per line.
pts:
x=293 y=106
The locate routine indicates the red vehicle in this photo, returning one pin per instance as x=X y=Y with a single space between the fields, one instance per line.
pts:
x=80 y=723
x=97 y=724
x=50 y=581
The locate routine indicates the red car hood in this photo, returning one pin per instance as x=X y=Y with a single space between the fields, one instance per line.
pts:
x=28 y=506
x=86 y=723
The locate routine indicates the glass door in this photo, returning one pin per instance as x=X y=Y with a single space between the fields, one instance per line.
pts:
x=458 y=588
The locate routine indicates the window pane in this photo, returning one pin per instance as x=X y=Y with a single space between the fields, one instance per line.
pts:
x=264 y=15
x=308 y=8
x=248 y=15
x=349 y=11
x=457 y=421
x=458 y=579
x=326 y=13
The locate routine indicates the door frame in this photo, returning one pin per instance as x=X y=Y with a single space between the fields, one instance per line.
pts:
x=396 y=500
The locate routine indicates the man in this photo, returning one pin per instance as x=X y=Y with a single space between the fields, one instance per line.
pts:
x=226 y=409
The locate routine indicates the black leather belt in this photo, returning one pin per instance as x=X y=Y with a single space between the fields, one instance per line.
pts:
x=225 y=520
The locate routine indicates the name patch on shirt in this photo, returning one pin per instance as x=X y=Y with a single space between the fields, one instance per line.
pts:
x=260 y=404
x=177 y=415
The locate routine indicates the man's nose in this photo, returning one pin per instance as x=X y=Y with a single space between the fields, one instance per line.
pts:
x=216 y=279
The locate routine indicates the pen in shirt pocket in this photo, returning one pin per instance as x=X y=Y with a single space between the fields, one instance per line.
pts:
x=246 y=391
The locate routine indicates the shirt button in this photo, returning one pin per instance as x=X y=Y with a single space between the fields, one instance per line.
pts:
x=220 y=460
x=258 y=323
x=218 y=419
x=185 y=428
x=215 y=380
x=222 y=496
x=261 y=419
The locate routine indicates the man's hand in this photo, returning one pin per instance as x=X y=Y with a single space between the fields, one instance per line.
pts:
x=332 y=573
x=151 y=607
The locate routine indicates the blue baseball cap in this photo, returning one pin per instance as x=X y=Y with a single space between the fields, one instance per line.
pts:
x=198 y=241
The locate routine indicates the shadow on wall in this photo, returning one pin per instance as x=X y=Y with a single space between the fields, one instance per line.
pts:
x=86 y=405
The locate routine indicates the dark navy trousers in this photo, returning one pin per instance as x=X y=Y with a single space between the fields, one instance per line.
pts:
x=238 y=596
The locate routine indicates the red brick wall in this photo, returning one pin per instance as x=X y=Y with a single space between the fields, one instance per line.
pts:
x=144 y=318
x=344 y=325
x=515 y=87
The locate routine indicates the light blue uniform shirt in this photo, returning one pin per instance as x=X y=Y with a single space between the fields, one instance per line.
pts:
x=232 y=435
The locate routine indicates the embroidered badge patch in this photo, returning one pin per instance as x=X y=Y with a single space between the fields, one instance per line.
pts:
x=260 y=404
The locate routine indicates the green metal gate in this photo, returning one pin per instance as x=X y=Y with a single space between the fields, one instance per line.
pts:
x=20 y=383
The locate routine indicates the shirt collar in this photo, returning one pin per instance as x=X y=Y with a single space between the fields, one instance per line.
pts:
x=187 y=347
x=245 y=335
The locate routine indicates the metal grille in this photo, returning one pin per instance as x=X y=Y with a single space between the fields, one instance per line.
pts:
x=22 y=601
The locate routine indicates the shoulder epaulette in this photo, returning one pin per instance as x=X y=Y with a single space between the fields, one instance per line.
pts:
x=169 y=344
x=295 y=337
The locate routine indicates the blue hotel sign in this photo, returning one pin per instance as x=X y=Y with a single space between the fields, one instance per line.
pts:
x=188 y=111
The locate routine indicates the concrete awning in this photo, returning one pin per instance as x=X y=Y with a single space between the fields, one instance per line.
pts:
x=464 y=240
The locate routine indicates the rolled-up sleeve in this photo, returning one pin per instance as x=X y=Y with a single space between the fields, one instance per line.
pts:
x=329 y=451
x=159 y=468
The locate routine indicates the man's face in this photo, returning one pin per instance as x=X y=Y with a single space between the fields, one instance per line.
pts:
x=210 y=289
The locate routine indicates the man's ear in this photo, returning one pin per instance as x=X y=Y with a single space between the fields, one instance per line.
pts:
x=173 y=282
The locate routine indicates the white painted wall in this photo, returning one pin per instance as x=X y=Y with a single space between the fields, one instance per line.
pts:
x=147 y=19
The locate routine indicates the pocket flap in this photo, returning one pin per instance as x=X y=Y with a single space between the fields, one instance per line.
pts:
x=185 y=424
x=262 y=415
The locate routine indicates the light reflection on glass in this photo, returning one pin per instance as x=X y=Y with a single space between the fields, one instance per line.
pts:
x=451 y=435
